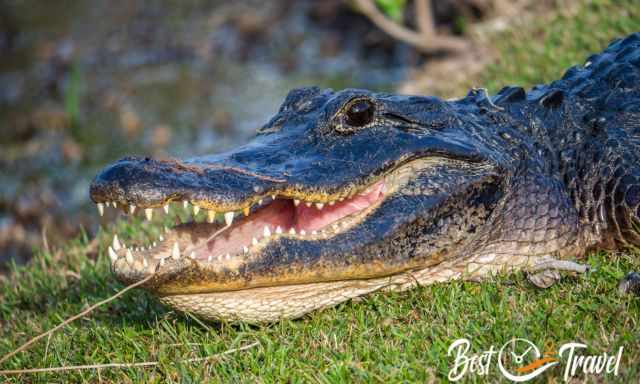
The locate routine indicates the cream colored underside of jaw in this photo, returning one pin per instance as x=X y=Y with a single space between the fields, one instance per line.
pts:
x=268 y=304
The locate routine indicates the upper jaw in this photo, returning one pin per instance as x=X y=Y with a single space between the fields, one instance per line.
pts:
x=294 y=165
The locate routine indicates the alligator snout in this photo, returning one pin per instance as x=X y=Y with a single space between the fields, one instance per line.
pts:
x=150 y=183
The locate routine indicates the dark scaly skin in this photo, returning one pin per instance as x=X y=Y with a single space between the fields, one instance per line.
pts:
x=519 y=180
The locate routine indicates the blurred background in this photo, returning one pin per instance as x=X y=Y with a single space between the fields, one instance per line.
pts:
x=83 y=83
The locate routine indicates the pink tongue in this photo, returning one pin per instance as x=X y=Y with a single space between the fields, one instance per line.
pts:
x=277 y=214
x=282 y=213
x=312 y=218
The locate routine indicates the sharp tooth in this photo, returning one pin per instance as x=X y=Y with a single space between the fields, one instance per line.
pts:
x=210 y=258
x=154 y=244
x=341 y=199
x=292 y=231
x=254 y=241
x=245 y=249
x=332 y=202
x=308 y=204
x=100 y=209
x=192 y=255
x=196 y=209
x=228 y=218
x=211 y=216
x=129 y=256
x=319 y=205
x=175 y=252
x=246 y=210
x=273 y=197
x=113 y=255
x=116 y=244
x=219 y=258
x=162 y=262
x=132 y=209
x=266 y=232
x=314 y=232
x=161 y=238
x=296 y=202
x=148 y=213
x=114 y=204
x=166 y=209
x=335 y=226
x=144 y=262
x=278 y=230
x=227 y=256
x=185 y=205
x=260 y=202
x=303 y=232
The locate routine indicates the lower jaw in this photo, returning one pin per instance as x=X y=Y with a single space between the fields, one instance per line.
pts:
x=274 y=303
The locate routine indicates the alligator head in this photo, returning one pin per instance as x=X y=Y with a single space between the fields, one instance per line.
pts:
x=337 y=193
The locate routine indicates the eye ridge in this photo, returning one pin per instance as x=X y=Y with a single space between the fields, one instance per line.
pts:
x=360 y=113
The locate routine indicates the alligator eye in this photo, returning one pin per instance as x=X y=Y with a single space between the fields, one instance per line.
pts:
x=360 y=113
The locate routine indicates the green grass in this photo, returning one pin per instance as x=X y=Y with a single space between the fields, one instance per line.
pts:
x=386 y=337
x=542 y=51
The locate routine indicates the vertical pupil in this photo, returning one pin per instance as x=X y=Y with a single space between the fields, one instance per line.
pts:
x=360 y=113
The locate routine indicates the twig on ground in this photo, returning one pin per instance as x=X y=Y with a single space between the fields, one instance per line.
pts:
x=424 y=17
x=46 y=348
x=76 y=317
x=73 y=318
x=125 y=365
x=426 y=39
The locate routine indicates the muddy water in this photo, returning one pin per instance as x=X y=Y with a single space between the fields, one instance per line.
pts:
x=84 y=83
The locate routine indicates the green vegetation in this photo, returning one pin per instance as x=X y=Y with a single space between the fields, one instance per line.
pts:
x=386 y=337
x=392 y=8
x=543 y=50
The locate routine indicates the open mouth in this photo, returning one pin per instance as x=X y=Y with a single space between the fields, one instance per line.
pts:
x=223 y=240
x=227 y=239
x=238 y=253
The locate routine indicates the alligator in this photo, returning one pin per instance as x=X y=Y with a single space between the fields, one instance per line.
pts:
x=344 y=193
